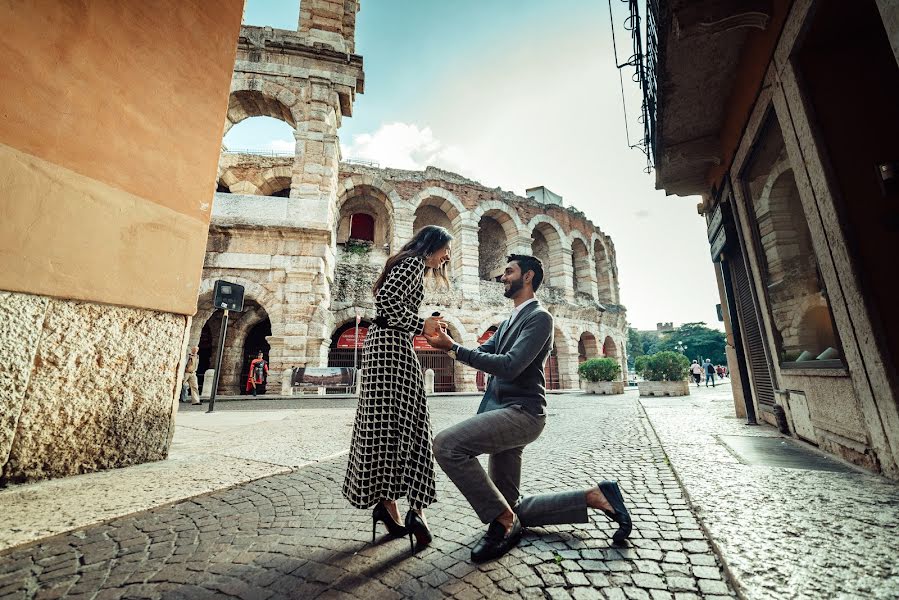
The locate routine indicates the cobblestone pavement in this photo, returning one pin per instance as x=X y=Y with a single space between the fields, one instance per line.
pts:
x=294 y=536
x=783 y=532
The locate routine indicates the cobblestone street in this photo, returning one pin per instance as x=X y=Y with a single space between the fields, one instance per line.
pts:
x=293 y=535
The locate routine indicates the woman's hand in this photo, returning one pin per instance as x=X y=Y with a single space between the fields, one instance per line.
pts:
x=432 y=326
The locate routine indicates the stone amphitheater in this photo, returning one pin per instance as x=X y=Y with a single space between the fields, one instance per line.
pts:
x=306 y=234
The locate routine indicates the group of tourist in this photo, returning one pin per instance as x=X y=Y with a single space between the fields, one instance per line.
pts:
x=392 y=452
x=706 y=371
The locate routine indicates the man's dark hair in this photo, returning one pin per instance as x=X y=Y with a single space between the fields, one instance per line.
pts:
x=529 y=263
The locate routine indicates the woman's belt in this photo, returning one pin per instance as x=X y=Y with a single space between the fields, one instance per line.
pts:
x=381 y=322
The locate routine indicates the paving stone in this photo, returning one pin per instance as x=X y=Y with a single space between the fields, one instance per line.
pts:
x=293 y=535
x=707 y=586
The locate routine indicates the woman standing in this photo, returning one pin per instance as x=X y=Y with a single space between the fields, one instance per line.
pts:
x=390 y=452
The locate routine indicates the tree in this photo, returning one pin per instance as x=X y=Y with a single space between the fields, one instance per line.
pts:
x=640 y=343
x=702 y=342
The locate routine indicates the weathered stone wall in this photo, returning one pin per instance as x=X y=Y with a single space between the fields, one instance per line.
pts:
x=89 y=386
x=487 y=225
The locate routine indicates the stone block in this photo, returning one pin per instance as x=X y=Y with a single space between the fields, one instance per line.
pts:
x=100 y=390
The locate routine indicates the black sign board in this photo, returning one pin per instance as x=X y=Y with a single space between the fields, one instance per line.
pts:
x=716 y=220
x=718 y=244
x=228 y=296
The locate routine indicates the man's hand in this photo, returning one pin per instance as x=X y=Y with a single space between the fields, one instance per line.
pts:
x=433 y=324
x=440 y=340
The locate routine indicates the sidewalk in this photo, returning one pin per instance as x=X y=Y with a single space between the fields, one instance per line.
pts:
x=788 y=521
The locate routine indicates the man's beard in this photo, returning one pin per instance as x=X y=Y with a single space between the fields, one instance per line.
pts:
x=514 y=287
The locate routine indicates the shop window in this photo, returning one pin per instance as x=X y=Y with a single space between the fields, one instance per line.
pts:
x=800 y=311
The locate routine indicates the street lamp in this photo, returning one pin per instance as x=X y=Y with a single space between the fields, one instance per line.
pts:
x=680 y=347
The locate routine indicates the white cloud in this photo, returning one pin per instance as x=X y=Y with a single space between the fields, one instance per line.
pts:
x=283 y=146
x=406 y=146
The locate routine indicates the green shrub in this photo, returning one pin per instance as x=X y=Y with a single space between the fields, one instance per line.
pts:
x=663 y=366
x=640 y=365
x=599 y=369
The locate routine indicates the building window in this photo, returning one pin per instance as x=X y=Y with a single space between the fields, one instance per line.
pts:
x=800 y=311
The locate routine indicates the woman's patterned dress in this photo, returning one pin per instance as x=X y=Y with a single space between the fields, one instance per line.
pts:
x=390 y=453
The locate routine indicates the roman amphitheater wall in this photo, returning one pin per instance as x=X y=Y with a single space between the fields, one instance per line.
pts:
x=375 y=211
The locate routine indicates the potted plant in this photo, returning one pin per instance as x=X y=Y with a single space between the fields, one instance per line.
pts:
x=665 y=374
x=601 y=376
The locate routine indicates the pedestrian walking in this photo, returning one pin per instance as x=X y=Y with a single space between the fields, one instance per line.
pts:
x=512 y=414
x=258 y=375
x=391 y=453
x=190 y=374
x=696 y=372
x=709 y=369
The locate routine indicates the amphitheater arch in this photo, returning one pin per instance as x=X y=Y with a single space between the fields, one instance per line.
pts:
x=367 y=196
x=254 y=97
x=603 y=269
x=547 y=244
x=276 y=181
x=587 y=347
x=498 y=229
x=582 y=275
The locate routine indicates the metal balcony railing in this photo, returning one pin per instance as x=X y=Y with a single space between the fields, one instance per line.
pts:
x=645 y=67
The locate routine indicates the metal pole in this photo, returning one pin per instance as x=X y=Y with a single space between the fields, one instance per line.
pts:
x=356 y=344
x=218 y=361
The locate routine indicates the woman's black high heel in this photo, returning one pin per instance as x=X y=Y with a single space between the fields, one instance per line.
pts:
x=380 y=513
x=416 y=527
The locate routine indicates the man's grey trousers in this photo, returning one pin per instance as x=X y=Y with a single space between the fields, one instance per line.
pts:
x=502 y=434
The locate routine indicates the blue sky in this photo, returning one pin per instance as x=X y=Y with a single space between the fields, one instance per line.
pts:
x=518 y=93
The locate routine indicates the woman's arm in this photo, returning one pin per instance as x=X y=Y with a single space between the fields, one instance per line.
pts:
x=392 y=298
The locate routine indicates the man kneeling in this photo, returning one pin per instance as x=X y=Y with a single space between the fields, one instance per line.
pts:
x=512 y=414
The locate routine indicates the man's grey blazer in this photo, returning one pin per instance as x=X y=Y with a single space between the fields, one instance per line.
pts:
x=514 y=358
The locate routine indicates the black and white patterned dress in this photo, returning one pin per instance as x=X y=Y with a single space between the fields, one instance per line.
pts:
x=390 y=453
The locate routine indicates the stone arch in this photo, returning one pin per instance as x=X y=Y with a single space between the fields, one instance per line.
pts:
x=498 y=230
x=437 y=206
x=275 y=181
x=547 y=243
x=236 y=185
x=587 y=346
x=609 y=347
x=603 y=270
x=504 y=214
x=581 y=267
x=371 y=196
x=442 y=199
x=341 y=357
x=252 y=96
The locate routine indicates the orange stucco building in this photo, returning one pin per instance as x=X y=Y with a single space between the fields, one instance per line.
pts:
x=110 y=129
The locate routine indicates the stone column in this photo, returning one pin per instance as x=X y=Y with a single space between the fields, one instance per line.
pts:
x=563 y=271
x=521 y=244
x=466 y=246
x=315 y=168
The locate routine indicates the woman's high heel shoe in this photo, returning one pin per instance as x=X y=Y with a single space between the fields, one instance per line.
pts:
x=417 y=529
x=380 y=513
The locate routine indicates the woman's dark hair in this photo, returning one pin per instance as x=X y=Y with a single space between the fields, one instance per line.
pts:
x=425 y=242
